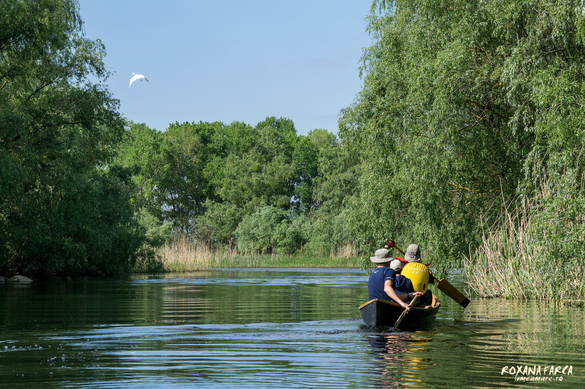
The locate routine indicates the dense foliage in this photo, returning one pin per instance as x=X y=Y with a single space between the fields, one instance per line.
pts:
x=261 y=189
x=468 y=107
x=84 y=192
x=469 y=127
x=62 y=210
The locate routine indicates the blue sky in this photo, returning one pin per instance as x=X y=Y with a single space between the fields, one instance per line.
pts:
x=228 y=60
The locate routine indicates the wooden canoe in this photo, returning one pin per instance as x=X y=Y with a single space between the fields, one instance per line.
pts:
x=378 y=312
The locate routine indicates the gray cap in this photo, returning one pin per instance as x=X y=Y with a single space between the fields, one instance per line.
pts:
x=396 y=265
x=381 y=256
x=412 y=253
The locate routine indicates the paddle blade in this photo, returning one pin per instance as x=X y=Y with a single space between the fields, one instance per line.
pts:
x=445 y=287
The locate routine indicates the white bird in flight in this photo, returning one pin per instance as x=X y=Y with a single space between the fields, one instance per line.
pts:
x=137 y=77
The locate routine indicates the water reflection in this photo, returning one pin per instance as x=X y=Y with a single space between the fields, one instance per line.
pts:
x=477 y=347
x=267 y=329
x=398 y=355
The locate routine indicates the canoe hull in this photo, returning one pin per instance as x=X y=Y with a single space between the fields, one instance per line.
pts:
x=385 y=313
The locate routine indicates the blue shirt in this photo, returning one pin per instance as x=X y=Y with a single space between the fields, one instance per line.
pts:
x=403 y=285
x=379 y=277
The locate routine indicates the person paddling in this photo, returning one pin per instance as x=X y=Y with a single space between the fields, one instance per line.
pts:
x=383 y=281
x=418 y=273
x=403 y=284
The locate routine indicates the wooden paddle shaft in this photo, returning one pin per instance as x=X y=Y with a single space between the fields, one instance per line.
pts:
x=444 y=286
x=404 y=313
x=398 y=248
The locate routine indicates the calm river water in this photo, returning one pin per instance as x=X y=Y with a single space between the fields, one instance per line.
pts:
x=272 y=329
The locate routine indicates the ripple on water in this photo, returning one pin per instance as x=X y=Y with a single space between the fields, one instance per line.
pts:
x=272 y=329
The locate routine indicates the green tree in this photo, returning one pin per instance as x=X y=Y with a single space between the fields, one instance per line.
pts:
x=269 y=230
x=174 y=169
x=61 y=208
x=338 y=172
x=207 y=178
x=461 y=102
x=256 y=170
x=190 y=148
x=257 y=231
x=144 y=150
x=306 y=169
x=333 y=186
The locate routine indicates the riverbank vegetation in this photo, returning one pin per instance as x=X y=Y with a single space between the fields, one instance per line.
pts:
x=467 y=139
x=183 y=254
x=470 y=127
x=84 y=191
x=63 y=207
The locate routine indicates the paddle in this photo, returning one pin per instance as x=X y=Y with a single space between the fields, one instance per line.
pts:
x=404 y=313
x=398 y=248
x=444 y=286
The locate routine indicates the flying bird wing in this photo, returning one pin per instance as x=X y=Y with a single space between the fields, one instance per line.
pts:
x=136 y=77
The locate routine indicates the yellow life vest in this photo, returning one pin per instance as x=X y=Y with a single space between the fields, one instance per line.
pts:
x=418 y=274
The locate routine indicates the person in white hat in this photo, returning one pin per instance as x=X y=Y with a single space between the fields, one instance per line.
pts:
x=418 y=273
x=396 y=265
x=383 y=281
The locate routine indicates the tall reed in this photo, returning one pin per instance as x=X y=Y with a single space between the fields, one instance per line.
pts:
x=513 y=261
x=346 y=250
x=183 y=254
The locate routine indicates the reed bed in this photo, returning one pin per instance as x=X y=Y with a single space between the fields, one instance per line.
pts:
x=344 y=251
x=182 y=254
x=503 y=265
x=286 y=261
x=514 y=262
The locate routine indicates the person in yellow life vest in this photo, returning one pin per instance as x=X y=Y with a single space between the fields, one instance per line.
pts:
x=384 y=284
x=418 y=273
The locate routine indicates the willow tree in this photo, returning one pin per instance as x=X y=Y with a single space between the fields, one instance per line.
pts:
x=461 y=99
x=62 y=210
